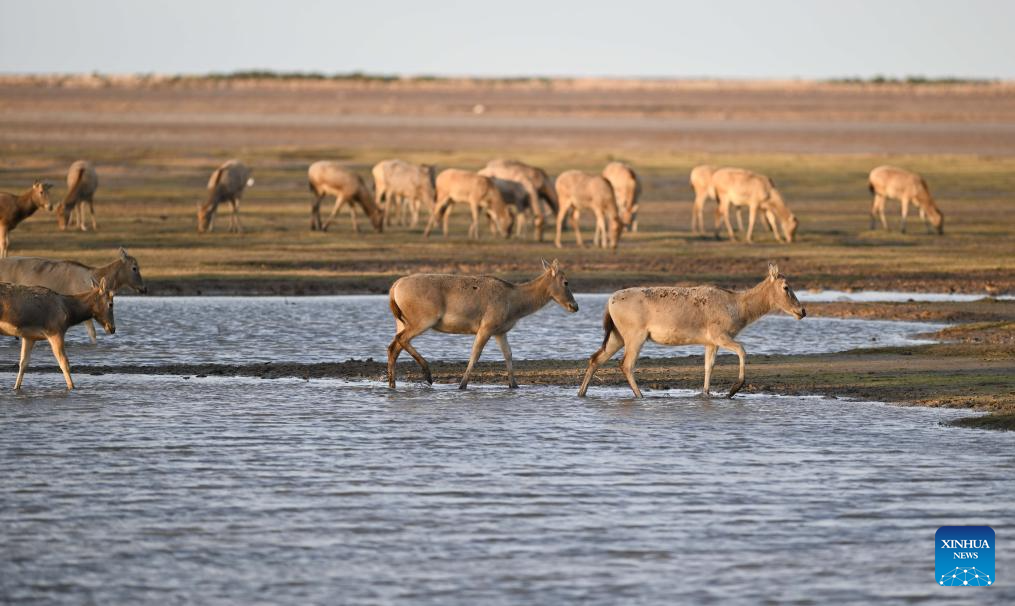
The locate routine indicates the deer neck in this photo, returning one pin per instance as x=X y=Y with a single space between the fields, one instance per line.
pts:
x=754 y=303
x=108 y=272
x=26 y=205
x=79 y=307
x=529 y=297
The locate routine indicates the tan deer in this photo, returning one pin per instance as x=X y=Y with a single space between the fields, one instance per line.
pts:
x=735 y=187
x=456 y=186
x=70 y=277
x=328 y=178
x=541 y=197
x=226 y=184
x=626 y=189
x=82 y=181
x=16 y=208
x=471 y=305
x=410 y=186
x=906 y=187
x=700 y=315
x=578 y=191
x=35 y=313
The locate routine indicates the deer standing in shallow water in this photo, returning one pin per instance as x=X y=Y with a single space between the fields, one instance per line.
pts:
x=16 y=208
x=225 y=185
x=35 y=313
x=906 y=187
x=700 y=315
x=471 y=305
x=331 y=178
x=82 y=181
x=71 y=277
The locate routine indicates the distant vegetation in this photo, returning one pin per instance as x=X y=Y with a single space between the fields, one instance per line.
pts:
x=913 y=80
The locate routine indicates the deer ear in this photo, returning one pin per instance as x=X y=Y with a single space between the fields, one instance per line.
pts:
x=773 y=270
x=546 y=265
x=95 y=283
x=123 y=253
x=103 y=286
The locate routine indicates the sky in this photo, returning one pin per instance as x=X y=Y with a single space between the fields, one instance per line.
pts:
x=627 y=38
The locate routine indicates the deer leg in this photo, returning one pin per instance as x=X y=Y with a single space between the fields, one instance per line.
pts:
x=612 y=345
x=738 y=349
x=56 y=344
x=729 y=228
x=505 y=349
x=435 y=215
x=575 y=220
x=26 y=355
x=315 y=213
x=752 y=216
x=415 y=213
x=561 y=218
x=235 y=218
x=881 y=212
x=710 y=351
x=698 y=213
x=82 y=224
x=446 y=218
x=905 y=213
x=631 y=350
x=3 y=242
x=477 y=348
x=474 y=226
x=383 y=200
x=402 y=341
x=90 y=327
x=740 y=219
x=339 y=203
x=91 y=211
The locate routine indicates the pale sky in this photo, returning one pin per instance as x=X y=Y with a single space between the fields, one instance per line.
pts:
x=630 y=38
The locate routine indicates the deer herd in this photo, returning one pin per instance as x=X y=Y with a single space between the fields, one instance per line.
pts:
x=42 y=298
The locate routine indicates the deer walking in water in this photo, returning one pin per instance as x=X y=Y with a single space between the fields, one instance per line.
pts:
x=225 y=185
x=735 y=187
x=626 y=190
x=455 y=186
x=578 y=191
x=541 y=199
x=906 y=187
x=35 y=313
x=16 y=208
x=71 y=277
x=472 y=305
x=82 y=181
x=328 y=178
x=700 y=315
x=410 y=186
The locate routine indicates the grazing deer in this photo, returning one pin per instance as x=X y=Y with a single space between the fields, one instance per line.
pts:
x=735 y=187
x=700 y=315
x=455 y=186
x=471 y=305
x=35 y=313
x=578 y=191
x=70 y=277
x=225 y=185
x=626 y=189
x=408 y=185
x=516 y=196
x=538 y=187
x=331 y=178
x=16 y=208
x=906 y=187
x=82 y=181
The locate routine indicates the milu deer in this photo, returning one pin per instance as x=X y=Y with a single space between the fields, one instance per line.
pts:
x=16 y=208
x=700 y=315
x=735 y=187
x=542 y=199
x=35 y=313
x=82 y=182
x=410 y=186
x=225 y=185
x=328 y=178
x=906 y=187
x=71 y=277
x=456 y=186
x=578 y=191
x=472 y=305
x=626 y=189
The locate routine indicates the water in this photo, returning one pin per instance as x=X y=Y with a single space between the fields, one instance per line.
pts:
x=887 y=296
x=243 y=330
x=163 y=490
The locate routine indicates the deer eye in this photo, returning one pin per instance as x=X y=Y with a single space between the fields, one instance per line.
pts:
x=565 y=282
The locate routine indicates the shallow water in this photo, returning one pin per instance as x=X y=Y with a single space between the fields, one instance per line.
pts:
x=164 y=490
x=241 y=330
x=889 y=296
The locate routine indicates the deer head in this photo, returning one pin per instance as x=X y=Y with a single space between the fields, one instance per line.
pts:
x=40 y=195
x=559 y=289
x=101 y=303
x=782 y=296
x=129 y=272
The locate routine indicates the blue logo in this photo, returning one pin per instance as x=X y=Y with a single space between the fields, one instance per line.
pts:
x=964 y=556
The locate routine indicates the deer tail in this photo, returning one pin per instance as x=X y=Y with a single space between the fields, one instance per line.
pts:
x=608 y=327
x=395 y=309
x=72 y=194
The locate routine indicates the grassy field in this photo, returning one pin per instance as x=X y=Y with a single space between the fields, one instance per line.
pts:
x=147 y=197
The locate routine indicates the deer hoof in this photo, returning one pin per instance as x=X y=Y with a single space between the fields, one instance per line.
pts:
x=513 y=385
x=735 y=389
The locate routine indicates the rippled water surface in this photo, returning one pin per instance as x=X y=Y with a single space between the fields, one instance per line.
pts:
x=239 y=330
x=162 y=490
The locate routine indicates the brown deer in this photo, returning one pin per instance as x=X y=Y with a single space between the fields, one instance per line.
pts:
x=82 y=181
x=328 y=178
x=16 y=208
x=578 y=191
x=906 y=187
x=537 y=185
x=225 y=185
x=735 y=187
x=408 y=185
x=456 y=186
x=700 y=315
x=35 y=313
x=627 y=190
x=70 y=277
x=471 y=305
